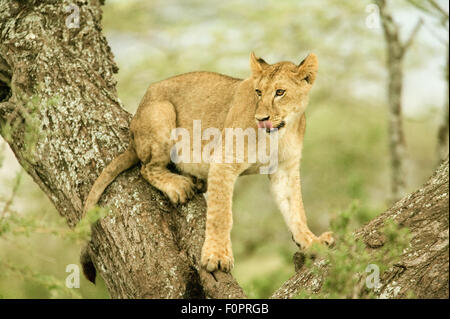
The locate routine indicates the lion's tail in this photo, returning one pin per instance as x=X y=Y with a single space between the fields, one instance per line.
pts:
x=121 y=163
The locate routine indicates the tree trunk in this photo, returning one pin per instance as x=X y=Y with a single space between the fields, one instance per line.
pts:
x=61 y=117
x=395 y=54
x=423 y=268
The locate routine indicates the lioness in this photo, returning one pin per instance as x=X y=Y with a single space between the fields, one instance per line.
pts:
x=274 y=99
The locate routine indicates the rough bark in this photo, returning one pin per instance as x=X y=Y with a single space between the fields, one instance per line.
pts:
x=423 y=268
x=396 y=50
x=58 y=95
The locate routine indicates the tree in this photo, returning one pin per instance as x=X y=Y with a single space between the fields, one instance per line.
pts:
x=60 y=114
x=434 y=10
x=396 y=50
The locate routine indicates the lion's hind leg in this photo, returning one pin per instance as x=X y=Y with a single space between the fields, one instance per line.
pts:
x=152 y=127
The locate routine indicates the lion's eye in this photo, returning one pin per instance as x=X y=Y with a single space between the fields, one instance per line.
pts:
x=280 y=92
x=258 y=92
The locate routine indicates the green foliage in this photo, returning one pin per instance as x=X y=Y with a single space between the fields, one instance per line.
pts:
x=349 y=259
x=264 y=286
x=36 y=245
x=55 y=287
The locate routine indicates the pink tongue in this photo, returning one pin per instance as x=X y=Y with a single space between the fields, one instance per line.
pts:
x=265 y=124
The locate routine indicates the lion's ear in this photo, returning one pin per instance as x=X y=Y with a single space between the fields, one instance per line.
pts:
x=257 y=65
x=307 y=69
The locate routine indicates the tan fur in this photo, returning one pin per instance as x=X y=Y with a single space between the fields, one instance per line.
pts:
x=222 y=102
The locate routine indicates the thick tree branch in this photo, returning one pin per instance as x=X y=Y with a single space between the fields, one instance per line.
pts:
x=423 y=268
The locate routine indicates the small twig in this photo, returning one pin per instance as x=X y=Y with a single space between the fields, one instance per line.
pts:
x=436 y=36
x=15 y=189
x=442 y=12
x=413 y=34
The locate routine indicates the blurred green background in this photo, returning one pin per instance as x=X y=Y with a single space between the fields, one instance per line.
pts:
x=345 y=156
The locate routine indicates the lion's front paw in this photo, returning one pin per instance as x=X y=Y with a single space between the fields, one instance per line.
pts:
x=327 y=239
x=217 y=256
x=304 y=241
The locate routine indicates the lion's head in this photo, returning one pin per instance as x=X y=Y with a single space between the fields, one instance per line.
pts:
x=281 y=89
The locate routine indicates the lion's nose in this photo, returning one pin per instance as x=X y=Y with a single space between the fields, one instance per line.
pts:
x=262 y=118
